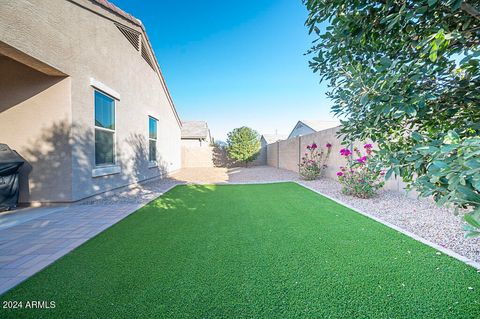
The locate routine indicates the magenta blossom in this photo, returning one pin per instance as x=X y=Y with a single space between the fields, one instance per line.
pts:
x=339 y=174
x=345 y=152
x=313 y=146
x=328 y=145
x=362 y=159
x=367 y=146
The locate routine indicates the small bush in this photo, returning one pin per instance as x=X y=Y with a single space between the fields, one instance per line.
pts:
x=360 y=177
x=313 y=161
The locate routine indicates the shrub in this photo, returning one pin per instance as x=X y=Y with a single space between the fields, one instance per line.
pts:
x=243 y=144
x=313 y=161
x=361 y=176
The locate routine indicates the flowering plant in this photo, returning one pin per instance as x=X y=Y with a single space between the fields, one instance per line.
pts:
x=361 y=176
x=313 y=161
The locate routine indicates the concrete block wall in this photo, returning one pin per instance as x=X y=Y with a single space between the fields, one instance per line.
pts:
x=272 y=154
x=286 y=154
x=197 y=156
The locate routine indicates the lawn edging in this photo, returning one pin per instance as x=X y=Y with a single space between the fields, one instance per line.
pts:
x=444 y=250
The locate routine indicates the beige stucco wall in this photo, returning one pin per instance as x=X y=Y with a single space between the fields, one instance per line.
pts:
x=285 y=154
x=35 y=117
x=86 y=45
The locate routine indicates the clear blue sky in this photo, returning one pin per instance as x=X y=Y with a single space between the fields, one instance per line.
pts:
x=236 y=62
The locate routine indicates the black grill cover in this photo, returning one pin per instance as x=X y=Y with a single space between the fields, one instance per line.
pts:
x=10 y=162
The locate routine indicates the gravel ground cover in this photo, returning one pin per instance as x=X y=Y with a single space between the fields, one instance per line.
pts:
x=421 y=217
x=274 y=250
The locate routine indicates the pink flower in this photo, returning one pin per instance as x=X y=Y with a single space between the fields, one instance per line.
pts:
x=328 y=145
x=313 y=146
x=362 y=159
x=382 y=173
x=339 y=174
x=345 y=152
x=367 y=146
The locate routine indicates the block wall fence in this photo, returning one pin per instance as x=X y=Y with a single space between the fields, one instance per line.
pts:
x=287 y=154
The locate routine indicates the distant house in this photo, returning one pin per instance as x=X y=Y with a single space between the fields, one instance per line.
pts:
x=197 y=150
x=266 y=139
x=83 y=99
x=196 y=133
x=306 y=127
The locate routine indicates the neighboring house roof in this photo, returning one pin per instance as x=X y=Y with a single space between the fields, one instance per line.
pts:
x=320 y=125
x=314 y=125
x=272 y=138
x=195 y=129
x=127 y=16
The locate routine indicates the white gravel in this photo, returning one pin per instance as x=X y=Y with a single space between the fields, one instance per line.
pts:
x=421 y=217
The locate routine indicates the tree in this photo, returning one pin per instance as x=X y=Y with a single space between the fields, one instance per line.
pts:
x=243 y=144
x=405 y=73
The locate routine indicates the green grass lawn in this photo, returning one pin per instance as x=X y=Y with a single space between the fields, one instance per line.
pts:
x=251 y=251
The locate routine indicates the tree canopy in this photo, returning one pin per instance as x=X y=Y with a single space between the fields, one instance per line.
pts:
x=243 y=144
x=405 y=73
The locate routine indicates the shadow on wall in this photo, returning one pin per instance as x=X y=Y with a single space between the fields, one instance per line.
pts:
x=141 y=167
x=59 y=166
x=47 y=173
x=221 y=159
x=18 y=83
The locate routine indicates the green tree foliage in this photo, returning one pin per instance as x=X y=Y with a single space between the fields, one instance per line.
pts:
x=405 y=73
x=243 y=144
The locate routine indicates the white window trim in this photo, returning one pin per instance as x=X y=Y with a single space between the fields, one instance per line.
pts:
x=106 y=170
x=110 y=165
x=104 y=89
x=154 y=163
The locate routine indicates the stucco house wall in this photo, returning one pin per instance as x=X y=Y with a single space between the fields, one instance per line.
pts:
x=81 y=39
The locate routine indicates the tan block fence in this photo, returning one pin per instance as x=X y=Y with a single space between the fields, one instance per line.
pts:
x=287 y=154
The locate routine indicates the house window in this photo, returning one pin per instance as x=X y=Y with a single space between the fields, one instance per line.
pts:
x=104 y=129
x=152 y=139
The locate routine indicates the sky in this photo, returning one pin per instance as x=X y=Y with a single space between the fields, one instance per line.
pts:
x=235 y=63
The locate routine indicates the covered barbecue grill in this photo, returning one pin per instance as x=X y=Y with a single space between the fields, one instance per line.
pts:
x=10 y=163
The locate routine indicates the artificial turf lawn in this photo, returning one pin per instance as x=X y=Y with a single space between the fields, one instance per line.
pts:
x=251 y=251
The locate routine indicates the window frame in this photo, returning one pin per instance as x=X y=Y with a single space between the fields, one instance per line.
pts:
x=95 y=128
x=152 y=139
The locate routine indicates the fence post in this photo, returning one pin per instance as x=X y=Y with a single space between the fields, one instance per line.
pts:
x=299 y=151
x=278 y=154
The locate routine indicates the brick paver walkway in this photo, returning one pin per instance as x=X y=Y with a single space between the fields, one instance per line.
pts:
x=29 y=247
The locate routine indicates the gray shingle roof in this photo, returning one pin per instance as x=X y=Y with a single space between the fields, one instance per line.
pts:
x=194 y=129
x=272 y=138
x=320 y=125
